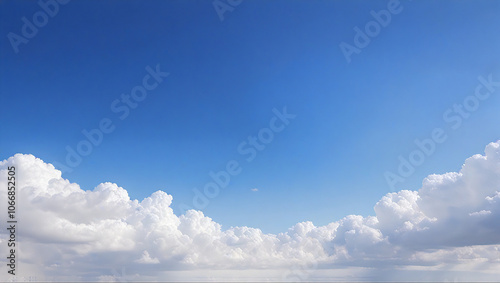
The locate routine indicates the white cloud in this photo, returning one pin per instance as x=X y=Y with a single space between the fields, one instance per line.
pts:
x=254 y=190
x=448 y=227
x=479 y=213
x=146 y=258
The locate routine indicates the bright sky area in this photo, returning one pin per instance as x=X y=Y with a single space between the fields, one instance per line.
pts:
x=353 y=119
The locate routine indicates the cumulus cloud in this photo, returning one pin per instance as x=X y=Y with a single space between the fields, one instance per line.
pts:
x=451 y=224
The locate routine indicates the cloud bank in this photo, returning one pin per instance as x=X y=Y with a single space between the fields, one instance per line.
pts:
x=447 y=230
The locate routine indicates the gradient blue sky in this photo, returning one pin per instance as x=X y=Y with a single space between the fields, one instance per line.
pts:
x=353 y=120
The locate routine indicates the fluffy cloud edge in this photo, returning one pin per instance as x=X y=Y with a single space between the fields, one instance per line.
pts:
x=450 y=224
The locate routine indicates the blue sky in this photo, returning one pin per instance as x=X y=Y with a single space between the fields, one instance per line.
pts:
x=353 y=119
